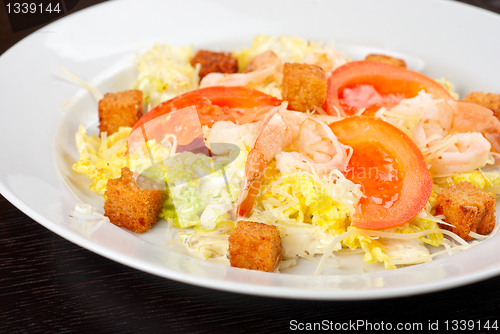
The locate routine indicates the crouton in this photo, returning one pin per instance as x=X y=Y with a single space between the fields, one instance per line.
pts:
x=468 y=209
x=119 y=109
x=133 y=204
x=489 y=100
x=220 y=62
x=304 y=86
x=255 y=246
x=386 y=59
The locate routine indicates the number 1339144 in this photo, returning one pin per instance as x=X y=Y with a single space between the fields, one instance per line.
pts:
x=468 y=325
x=32 y=8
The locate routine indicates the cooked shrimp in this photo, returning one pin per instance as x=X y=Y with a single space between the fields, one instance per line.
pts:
x=470 y=116
x=264 y=67
x=314 y=144
x=313 y=141
x=457 y=136
x=464 y=152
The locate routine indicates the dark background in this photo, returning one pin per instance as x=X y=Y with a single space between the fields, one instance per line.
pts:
x=49 y=285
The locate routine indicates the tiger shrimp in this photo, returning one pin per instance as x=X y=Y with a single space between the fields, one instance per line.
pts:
x=314 y=144
x=262 y=68
x=457 y=136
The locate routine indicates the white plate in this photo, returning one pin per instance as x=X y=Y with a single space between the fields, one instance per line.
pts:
x=41 y=111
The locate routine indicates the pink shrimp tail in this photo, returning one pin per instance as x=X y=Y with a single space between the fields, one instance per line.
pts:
x=254 y=168
x=272 y=137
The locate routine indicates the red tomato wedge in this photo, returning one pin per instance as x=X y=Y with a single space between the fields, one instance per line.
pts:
x=184 y=123
x=389 y=167
x=212 y=104
x=372 y=85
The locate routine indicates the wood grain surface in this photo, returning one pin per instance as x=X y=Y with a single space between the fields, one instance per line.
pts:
x=49 y=285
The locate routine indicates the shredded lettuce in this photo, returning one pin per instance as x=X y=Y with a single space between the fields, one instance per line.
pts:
x=383 y=246
x=374 y=249
x=418 y=224
x=288 y=49
x=299 y=198
x=449 y=86
x=197 y=193
x=488 y=182
x=101 y=158
x=165 y=71
x=205 y=244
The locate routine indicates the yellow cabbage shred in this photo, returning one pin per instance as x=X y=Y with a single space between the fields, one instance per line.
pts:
x=298 y=198
x=421 y=224
x=288 y=49
x=374 y=249
x=165 y=71
x=487 y=182
x=101 y=158
x=449 y=86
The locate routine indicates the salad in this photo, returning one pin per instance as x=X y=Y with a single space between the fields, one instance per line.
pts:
x=336 y=156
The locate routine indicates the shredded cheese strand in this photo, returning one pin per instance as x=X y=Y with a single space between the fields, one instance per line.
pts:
x=390 y=235
x=94 y=92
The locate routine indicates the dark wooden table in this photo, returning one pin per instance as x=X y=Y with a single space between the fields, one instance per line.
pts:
x=48 y=284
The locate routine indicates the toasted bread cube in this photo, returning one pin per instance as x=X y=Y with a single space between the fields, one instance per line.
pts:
x=133 y=204
x=468 y=209
x=220 y=62
x=255 y=246
x=119 y=109
x=386 y=59
x=489 y=100
x=304 y=87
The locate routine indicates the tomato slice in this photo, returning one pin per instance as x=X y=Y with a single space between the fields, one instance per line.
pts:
x=372 y=85
x=212 y=104
x=389 y=167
